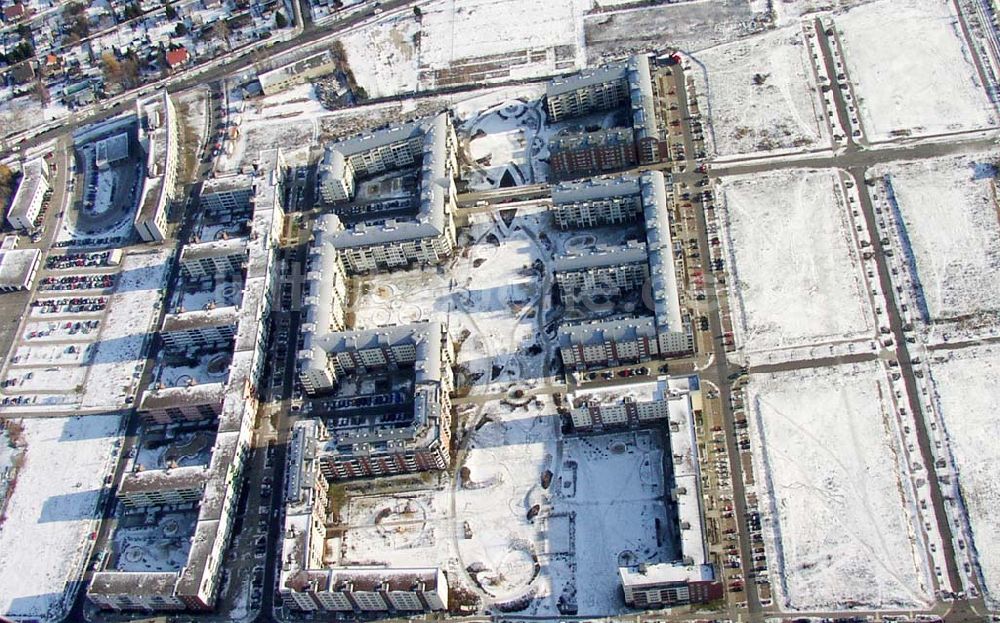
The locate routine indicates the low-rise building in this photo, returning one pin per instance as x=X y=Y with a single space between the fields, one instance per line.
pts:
x=30 y=194
x=287 y=76
x=18 y=268
x=608 y=343
x=111 y=150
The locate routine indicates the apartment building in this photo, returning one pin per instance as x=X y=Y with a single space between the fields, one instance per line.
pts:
x=226 y=196
x=428 y=237
x=608 y=343
x=398 y=147
x=180 y=485
x=158 y=137
x=199 y=329
x=665 y=585
x=175 y=405
x=196 y=584
x=630 y=406
x=414 y=437
x=601 y=270
x=635 y=84
x=593 y=90
x=605 y=202
x=30 y=194
x=218 y=257
x=592 y=153
x=303 y=581
x=691 y=577
x=596 y=202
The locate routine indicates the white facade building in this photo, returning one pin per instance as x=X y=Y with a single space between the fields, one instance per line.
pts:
x=30 y=194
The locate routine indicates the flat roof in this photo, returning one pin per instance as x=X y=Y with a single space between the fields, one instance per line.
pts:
x=33 y=181
x=599 y=75
x=200 y=318
x=17 y=265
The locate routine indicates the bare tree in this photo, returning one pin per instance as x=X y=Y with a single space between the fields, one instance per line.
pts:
x=221 y=30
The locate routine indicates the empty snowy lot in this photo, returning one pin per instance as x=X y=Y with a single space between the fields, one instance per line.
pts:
x=795 y=274
x=947 y=226
x=51 y=513
x=966 y=395
x=760 y=94
x=684 y=25
x=383 y=56
x=915 y=77
x=839 y=523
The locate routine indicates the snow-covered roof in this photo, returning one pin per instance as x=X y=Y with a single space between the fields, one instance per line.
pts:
x=17 y=267
x=210 y=393
x=191 y=477
x=600 y=331
x=633 y=252
x=226 y=183
x=598 y=138
x=643 y=103
x=599 y=75
x=200 y=318
x=129 y=583
x=650 y=575
x=594 y=189
x=34 y=180
x=431 y=218
x=659 y=245
x=381 y=138
x=213 y=248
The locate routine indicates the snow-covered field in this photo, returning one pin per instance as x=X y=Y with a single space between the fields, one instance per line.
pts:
x=946 y=224
x=760 y=94
x=898 y=89
x=685 y=25
x=839 y=520
x=965 y=397
x=52 y=512
x=795 y=275
x=523 y=38
x=383 y=56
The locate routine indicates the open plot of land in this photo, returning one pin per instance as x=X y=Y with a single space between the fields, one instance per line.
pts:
x=52 y=512
x=760 y=94
x=840 y=519
x=948 y=227
x=966 y=396
x=383 y=56
x=795 y=279
x=514 y=39
x=899 y=92
x=685 y=26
